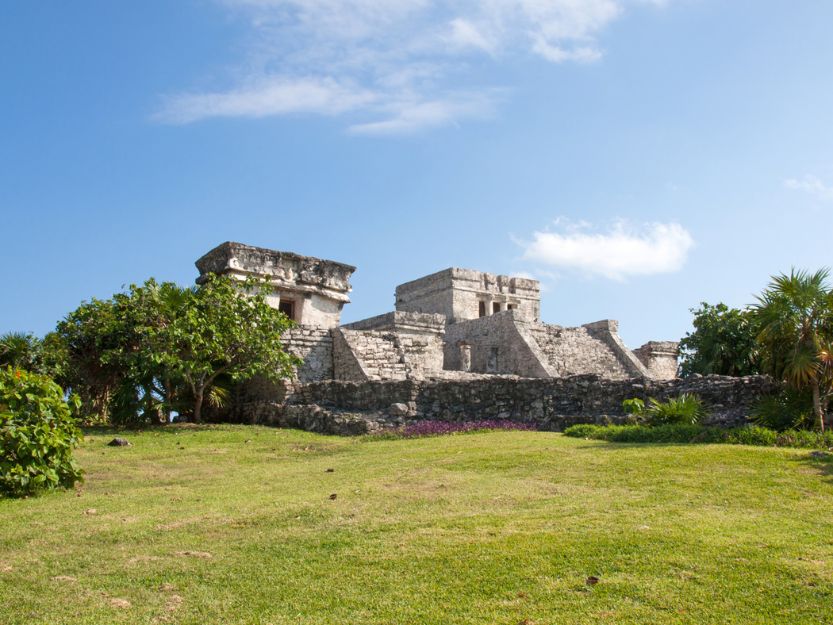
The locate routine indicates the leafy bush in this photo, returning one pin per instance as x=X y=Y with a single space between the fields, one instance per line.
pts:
x=37 y=435
x=686 y=408
x=789 y=409
x=635 y=409
x=693 y=433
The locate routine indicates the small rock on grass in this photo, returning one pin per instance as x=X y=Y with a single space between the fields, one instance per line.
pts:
x=64 y=578
x=195 y=554
x=119 y=603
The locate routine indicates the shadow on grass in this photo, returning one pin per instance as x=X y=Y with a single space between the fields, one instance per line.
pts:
x=821 y=461
x=172 y=428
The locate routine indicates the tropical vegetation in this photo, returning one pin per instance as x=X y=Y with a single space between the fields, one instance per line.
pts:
x=37 y=435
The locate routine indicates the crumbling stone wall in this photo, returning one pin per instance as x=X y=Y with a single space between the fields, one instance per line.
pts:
x=548 y=403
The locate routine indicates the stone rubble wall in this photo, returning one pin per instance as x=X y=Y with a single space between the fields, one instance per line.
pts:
x=548 y=403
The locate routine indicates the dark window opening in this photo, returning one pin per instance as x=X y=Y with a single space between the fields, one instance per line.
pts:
x=510 y=307
x=495 y=307
x=491 y=365
x=287 y=307
x=482 y=309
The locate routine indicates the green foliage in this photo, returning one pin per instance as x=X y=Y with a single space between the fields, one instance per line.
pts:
x=20 y=351
x=788 y=409
x=691 y=433
x=37 y=435
x=723 y=342
x=634 y=406
x=223 y=328
x=160 y=348
x=686 y=408
x=795 y=320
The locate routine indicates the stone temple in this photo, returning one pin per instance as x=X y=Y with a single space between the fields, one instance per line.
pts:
x=454 y=324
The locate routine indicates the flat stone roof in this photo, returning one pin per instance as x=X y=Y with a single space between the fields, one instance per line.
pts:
x=286 y=269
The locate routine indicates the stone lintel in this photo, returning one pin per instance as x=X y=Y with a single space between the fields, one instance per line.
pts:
x=285 y=270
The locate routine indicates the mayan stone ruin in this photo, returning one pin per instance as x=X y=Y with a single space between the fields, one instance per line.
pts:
x=459 y=344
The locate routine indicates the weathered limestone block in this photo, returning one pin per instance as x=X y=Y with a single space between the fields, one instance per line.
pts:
x=496 y=344
x=660 y=358
x=309 y=290
x=463 y=294
x=314 y=346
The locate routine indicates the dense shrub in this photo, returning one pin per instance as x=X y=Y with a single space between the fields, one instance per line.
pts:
x=37 y=435
x=692 y=433
x=686 y=408
x=790 y=409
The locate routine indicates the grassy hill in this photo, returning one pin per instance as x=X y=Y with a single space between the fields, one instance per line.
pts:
x=236 y=524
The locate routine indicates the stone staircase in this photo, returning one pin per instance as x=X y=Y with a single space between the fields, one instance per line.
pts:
x=574 y=351
x=378 y=354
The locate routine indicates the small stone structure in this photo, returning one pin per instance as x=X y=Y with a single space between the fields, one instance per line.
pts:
x=308 y=290
x=463 y=294
x=461 y=344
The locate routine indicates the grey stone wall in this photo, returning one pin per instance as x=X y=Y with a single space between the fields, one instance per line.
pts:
x=315 y=347
x=548 y=403
x=497 y=345
x=577 y=351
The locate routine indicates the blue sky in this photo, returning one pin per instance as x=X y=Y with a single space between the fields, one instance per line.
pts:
x=636 y=156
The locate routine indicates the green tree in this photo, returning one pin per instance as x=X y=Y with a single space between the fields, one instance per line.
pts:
x=91 y=339
x=723 y=342
x=795 y=320
x=224 y=328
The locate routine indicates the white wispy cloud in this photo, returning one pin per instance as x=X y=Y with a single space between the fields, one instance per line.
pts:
x=614 y=251
x=812 y=185
x=391 y=66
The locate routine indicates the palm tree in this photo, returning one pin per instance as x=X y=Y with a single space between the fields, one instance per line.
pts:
x=795 y=317
x=20 y=350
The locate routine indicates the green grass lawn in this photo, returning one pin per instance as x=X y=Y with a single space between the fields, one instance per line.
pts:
x=236 y=524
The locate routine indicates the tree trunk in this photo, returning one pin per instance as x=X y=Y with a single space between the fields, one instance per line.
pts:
x=198 y=406
x=817 y=405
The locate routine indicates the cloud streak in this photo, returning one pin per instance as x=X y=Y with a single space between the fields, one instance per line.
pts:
x=390 y=66
x=812 y=185
x=616 y=251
